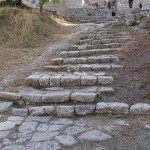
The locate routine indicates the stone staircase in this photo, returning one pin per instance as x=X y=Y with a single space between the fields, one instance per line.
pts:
x=75 y=82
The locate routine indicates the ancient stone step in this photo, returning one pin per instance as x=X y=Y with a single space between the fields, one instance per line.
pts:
x=91 y=52
x=103 y=41
x=68 y=80
x=85 y=60
x=84 y=67
x=5 y=106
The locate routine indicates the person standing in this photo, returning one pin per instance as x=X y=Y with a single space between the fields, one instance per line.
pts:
x=130 y=3
x=140 y=5
x=108 y=4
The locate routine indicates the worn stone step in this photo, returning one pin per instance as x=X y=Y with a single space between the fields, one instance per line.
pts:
x=84 y=67
x=91 y=52
x=85 y=60
x=68 y=80
x=5 y=106
x=58 y=95
x=103 y=41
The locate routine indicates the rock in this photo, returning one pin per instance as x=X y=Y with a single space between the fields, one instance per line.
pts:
x=70 y=81
x=105 y=90
x=83 y=97
x=99 y=67
x=63 y=121
x=15 y=119
x=70 y=61
x=9 y=96
x=55 y=81
x=56 y=97
x=44 y=81
x=140 y=109
x=33 y=80
x=93 y=60
x=44 y=119
x=94 y=135
x=73 y=68
x=6 y=142
x=5 y=106
x=7 y=125
x=73 y=54
x=64 y=54
x=14 y=147
x=112 y=108
x=27 y=127
x=48 y=145
x=88 y=80
x=58 y=61
x=105 y=80
x=4 y=134
x=66 y=140
x=74 y=130
x=55 y=127
x=41 y=110
x=84 y=109
x=42 y=127
x=81 y=60
x=20 y=112
x=65 y=111
x=32 y=98
x=86 y=67
x=147 y=126
x=43 y=136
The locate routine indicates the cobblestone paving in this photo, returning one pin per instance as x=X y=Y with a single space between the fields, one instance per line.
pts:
x=77 y=133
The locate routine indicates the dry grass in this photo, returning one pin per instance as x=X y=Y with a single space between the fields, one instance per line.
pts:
x=26 y=28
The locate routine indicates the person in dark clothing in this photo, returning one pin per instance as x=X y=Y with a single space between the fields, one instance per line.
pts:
x=130 y=3
x=140 y=5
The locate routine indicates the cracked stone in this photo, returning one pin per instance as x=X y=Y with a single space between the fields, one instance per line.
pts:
x=74 y=130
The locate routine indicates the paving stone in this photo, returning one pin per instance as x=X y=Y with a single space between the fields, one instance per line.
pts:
x=15 y=119
x=121 y=122
x=7 y=125
x=55 y=81
x=73 y=54
x=44 y=81
x=74 y=130
x=14 y=147
x=33 y=80
x=58 y=61
x=64 y=54
x=41 y=110
x=94 y=135
x=9 y=96
x=99 y=67
x=88 y=80
x=147 y=126
x=20 y=112
x=140 y=109
x=82 y=60
x=65 y=111
x=55 y=127
x=105 y=80
x=4 y=134
x=70 y=81
x=99 y=74
x=27 y=127
x=73 y=68
x=56 y=97
x=43 y=119
x=112 y=108
x=5 y=106
x=48 y=145
x=84 y=109
x=23 y=139
x=43 y=127
x=70 y=61
x=83 y=97
x=93 y=60
x=66 y=140
x=43 y=136
x=32 y=98
x=105 y=90
x=63 y=121
x=86 y=67
x=6 y=142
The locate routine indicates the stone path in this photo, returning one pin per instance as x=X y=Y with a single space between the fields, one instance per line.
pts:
x=90 y=132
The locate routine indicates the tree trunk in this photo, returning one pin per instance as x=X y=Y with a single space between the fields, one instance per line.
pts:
x=41 y=7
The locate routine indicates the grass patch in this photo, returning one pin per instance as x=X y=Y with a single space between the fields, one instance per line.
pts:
x=26 y=28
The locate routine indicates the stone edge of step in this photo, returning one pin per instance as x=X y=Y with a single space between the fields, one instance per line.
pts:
x=103 y=108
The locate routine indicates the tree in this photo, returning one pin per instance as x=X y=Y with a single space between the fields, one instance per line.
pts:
x=41 y=2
